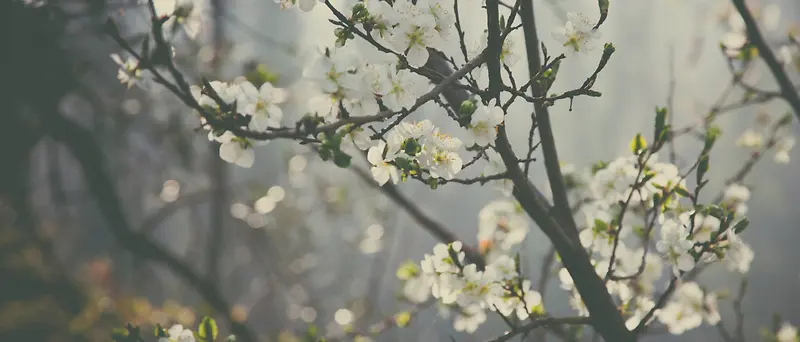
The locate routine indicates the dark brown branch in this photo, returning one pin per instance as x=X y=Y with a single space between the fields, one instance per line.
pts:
x=551 y=162
x=788 y=91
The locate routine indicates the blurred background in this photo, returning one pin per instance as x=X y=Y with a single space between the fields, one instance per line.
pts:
x=113 y=199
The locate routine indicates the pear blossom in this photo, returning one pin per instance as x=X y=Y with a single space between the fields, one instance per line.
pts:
x=442 y=163
x=415 y=33
x=787 y=333
x=782 y=148
x=404 y=89
x=502 y=222
x=357 y=137
x=304 y=5
x=789 y=55
x=643 y=306
x=177 y=333
x=469 y=319
x=261 y=104
x=738 y=255
x=675 y=245
x=358 y=100
x=237 y=152
x=689 y=307
x=129 y=73
x=577 y=35
x=417 y=289
x=705 y=226
x=381 y=170
x=483 y=125
x=190 y=14
x=735 y=197
x=750 y=139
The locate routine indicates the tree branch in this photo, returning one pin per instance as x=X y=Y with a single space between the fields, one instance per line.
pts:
x=551 y=163
x=788 y=91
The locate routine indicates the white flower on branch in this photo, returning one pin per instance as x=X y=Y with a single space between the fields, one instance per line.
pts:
x=381 y=170
x=502 y=224
x=787 y=333
x=577 y=35
x=675 y=245
x=261 y=105
x=177 y=333
x=483 y=125
x=129 y=73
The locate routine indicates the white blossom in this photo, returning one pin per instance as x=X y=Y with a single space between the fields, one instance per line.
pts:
x=177 y=333
x=577 y=35
x=787 y=333
x=381 y=170
x=483 y=124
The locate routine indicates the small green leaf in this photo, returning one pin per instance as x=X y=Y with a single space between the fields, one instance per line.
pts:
x=600 y=226
x=341 y=159
x=401 y=319
x=207 y=331
x=741 y=225
x=407 y=270
x=638 y=144
x=702 y=168
x=598 y=166
x=711 y=137
x=433 y=183
x=659 y=133
x=603 y=5
x=412 y=147
x=683 y=192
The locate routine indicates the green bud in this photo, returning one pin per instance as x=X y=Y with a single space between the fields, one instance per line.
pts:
x=467 y=108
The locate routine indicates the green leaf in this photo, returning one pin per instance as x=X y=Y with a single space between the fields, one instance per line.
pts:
x=711 y=137
x=598 y=166
x=600 y=226
x=412 y=147
x=702 y=168
x=341 y=159
x=407 y=270
x=741 y=225
x=638 y=144
x=207 y=331
x=231 y=338
x=433 y=183
x=401 y=319
x=660 y=126
x=683 y=192
x=603 y=5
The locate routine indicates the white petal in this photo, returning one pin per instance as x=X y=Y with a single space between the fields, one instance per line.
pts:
x=417 y=56
x=246 y=158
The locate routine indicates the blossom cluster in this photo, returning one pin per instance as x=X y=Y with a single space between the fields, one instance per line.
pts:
x=622 y=204
x=241 y=105
x=468 y=291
